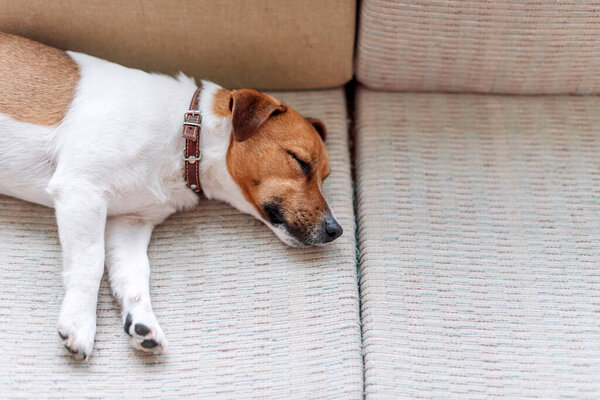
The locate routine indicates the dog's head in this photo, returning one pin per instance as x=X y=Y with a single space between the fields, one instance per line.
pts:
x=279 y=161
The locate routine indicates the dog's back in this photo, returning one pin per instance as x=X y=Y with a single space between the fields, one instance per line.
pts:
x=80 y=110
x=37 y=82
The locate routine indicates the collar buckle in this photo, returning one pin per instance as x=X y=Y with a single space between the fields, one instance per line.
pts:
x=191 y=112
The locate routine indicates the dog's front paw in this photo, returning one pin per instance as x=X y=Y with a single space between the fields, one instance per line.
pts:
x=144 y=331
x=77 y=336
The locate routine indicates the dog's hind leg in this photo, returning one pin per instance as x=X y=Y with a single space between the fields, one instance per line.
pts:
x=127 y=239
x=81 y=217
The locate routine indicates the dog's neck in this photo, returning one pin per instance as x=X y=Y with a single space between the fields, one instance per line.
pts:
x=215 y=138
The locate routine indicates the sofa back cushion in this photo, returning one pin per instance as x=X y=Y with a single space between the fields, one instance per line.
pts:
x=510 y=46
x=273 y=44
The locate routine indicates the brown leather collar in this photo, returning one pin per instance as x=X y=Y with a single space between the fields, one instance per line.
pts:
x=191 y=132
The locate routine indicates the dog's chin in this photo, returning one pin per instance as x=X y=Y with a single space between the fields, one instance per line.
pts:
x=283 y=234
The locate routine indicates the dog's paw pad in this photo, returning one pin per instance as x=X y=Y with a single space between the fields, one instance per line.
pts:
x=127 y=324
x=146 y=334
x=149 y=344
x=141 y=330
x=70 y=350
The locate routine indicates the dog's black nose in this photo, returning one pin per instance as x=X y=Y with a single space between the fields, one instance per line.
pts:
x=333 y=229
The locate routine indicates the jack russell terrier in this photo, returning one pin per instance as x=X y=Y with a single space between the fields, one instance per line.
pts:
x=116 y=150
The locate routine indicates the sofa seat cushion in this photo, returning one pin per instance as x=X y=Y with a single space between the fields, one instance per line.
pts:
x=245 y=315
x=511 y=46
x=479 y=230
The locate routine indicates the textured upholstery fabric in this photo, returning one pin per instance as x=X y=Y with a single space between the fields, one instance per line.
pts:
x=267 y=44
x=506 y=46
x=479 y=230
x=245 y=316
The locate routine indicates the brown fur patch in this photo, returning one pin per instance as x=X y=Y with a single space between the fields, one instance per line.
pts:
x=37 y=82
x=221 y=103
x=265 y=158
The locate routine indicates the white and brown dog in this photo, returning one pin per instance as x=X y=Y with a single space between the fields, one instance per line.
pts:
x=103 y=145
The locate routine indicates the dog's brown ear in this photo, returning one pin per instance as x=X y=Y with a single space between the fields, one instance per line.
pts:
x=249 y=111
x=319 y=126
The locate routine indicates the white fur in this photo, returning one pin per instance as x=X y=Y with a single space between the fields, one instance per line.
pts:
x=112 y=170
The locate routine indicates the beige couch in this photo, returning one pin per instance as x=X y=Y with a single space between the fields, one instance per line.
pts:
x=479 y=214
x=471 y=268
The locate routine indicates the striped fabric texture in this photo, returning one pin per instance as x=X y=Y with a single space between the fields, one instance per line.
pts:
x=504 y=46
x=479 y=233
x=245 y=316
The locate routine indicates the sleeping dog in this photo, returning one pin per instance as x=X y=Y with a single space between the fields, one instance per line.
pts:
x=116 y=150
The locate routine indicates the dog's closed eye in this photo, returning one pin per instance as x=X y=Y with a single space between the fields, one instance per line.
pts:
x=305 y=166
